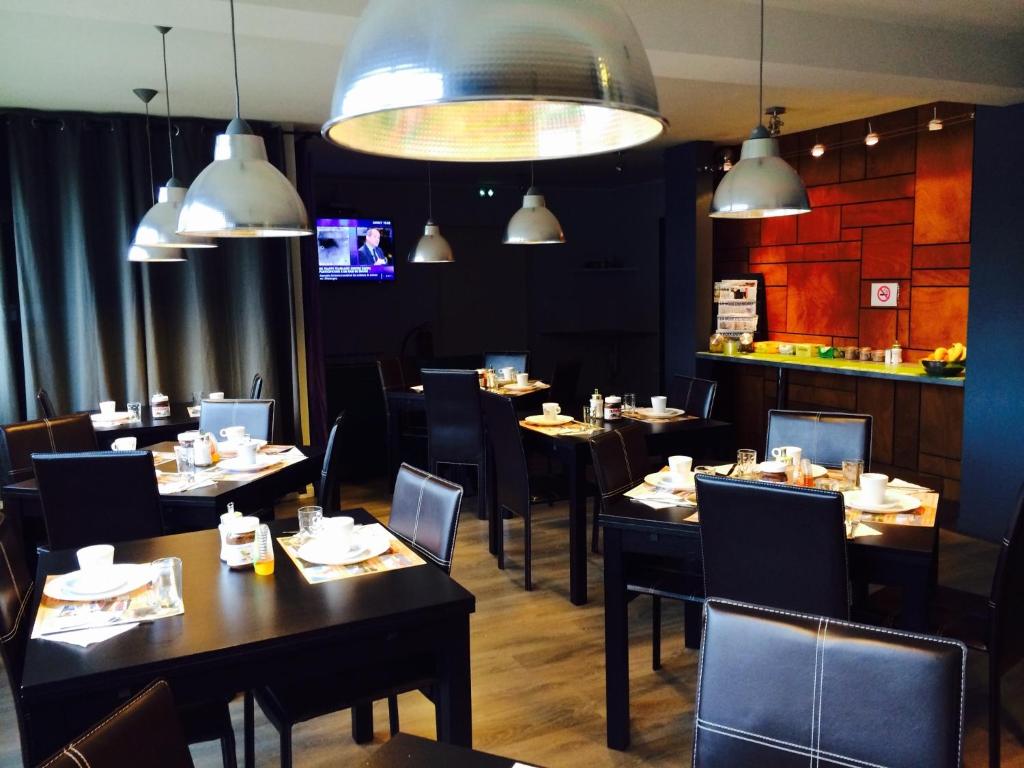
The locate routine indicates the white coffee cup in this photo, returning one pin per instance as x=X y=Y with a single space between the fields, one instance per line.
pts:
x=124 y=444
x=522 y=379
x=215 y=396
x=793 y=453
x=247 y=452
x=507 y=373
x=338 y=531
x=551 y=410
x=873 y=485
x=233 y=434
x=680 y=465
x=107 y=407
x=96 y=558
x=658 y=403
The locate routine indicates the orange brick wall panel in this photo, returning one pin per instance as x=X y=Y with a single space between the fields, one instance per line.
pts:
x=886 y=251
x=854 y=233
x=821 y=225
x=938 y=317
x=774 y=274
x=893 y=154
x=775 y=254
x=866 y=191
x=824 y=169
x=941 y=277
x=779 y=230
x=902 y=300
x=903 y=327
x=877 y=328
x=736 y=233
x=823 y=298
x=943 y=197
x=851 y=161
x=878 y=214
x=942 y=256
x=802 y=337
x=775 y=305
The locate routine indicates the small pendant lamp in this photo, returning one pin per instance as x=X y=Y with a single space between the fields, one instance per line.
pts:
x=432 y=248
x=761 y=184
x=240 y=194
x=137 y=252
x=158 y=228
x=534 y=223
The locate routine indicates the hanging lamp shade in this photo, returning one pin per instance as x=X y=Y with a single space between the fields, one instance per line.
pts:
x=155 y=255
x=493 y=80
x=534 y=223
x=432 y=248
x=761 y=184
x=158 y=228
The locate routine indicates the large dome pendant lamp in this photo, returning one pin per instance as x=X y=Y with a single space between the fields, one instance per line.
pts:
x=240 y=194
x=493 y=80
x=137 y=252
x=158 y=228
x=432 y=248
x=761 y=184
x=534 y=223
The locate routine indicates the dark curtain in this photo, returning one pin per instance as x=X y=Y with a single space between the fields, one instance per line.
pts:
x=86 y=324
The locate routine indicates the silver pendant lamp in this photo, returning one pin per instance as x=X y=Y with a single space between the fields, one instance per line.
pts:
x=761 y=184
x=137 y=252
x=240 y=194
x=432 y=248
x=493 y=80
x=534 y=223
x=158 y=228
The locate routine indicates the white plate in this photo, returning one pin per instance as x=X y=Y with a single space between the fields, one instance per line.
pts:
x=320 y=551
x=895 y=503
x=236 y=465
x=545 y=421
x=109 y=417
x=668 y=413
x=522 y=387
x=72 y=586
x=670 y=482
x=778 y=467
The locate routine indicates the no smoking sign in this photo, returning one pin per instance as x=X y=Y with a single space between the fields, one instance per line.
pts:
x=885 y=294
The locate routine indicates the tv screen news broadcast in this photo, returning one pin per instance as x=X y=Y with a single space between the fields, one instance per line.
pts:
x=355 y=249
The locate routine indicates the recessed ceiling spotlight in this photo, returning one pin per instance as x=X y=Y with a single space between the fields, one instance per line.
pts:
x=872 y=138
x=727 y=161
x=935 y=124
x=818 y=149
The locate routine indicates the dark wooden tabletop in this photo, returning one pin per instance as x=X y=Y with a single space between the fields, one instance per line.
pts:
x=405 y=751
x=179 y=418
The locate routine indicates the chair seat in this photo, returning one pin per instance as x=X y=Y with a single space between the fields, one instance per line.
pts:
x=954 y=613
x=204 y=721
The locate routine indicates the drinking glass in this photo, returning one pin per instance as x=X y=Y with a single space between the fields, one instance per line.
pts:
x=310 y=521
x=167 y=582
x=263 y=552
x=134 y=411
x=185 y=457
x=629 y=402
x=807 y=472
x=746 y=458
x=852 y=470
x=585 y=418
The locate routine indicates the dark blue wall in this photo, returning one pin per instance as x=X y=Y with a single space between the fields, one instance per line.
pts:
x=993 y=441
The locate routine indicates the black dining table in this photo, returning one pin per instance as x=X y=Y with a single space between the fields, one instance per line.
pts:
x=573 y=452
x=147 y=430
x=240 y=630
x=635 y=536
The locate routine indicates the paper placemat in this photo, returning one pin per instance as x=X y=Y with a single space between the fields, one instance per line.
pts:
x=513 y=391
x=398 y=556
x=637 y=416
x=172 y=482
x=573 y=428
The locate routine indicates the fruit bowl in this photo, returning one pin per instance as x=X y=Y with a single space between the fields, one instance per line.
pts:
x=942 y=368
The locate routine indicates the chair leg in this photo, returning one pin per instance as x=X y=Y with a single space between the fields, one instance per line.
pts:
x=656 y=633
x=595 y=533
x=249 y=730
x=286 y=746
x=227 y=744
x=499 y=533
x=481 y=491
x=994 y=712
x=393 y=713
x=528 y=545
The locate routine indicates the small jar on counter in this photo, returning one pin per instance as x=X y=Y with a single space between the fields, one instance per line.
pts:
x=746 y=343
x=716 y=343
x=613 y=407
x=160 y=406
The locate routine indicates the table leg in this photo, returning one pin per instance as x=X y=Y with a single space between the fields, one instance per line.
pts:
x=454 y=695
x=577 y=465
x=616 y=642
x=362 y=722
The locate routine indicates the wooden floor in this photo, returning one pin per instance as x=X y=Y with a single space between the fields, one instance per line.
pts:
x=538 y=665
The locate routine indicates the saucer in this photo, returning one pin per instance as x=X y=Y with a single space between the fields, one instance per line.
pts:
x=321 y=551
x=545 y=421
x=116 y=580
x=772 y=467
x=894 y=503
x=668 y=413
x=670 y=481
x=236 y=465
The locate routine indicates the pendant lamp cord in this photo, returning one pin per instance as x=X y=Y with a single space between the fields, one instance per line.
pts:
x=149 y=155
x=760 y=74
x=531 y=174
x=167 y=100
x=234 y=54
x=430 y=196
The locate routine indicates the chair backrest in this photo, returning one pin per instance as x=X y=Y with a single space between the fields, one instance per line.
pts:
x=774 y=544
x=256 y=390
x=144 y=731
x=328 y=494
x=565 y=379
x=620 y=459
x=777 y=688
x=98 y=497
x=425 y=514
x=392 y=377
x=46 y=409
x=511 y=474
x=1008 y=593
x=826 y=438
x=695 y=396
x=518 y=360
x=15 y=613
x=19 y=441
x=257 y=416
x=455 y=429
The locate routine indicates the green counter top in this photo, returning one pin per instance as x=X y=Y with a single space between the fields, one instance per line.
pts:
x=909 y=372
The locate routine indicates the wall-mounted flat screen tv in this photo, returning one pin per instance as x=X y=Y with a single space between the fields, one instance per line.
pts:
x=355 y=249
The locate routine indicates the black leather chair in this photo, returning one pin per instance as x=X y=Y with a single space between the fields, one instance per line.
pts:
x=19 y=441
x=256 y=390
x=455 y=425
x=328 y=493
x=257 y=416
x=826 y=438
x=98 y=497
x=773 y=544
x=46 y=409
x=518 y=360
x=778 y=688
x=425 y=516
x=397 y=375
x=695 y=396
x=143 y=732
